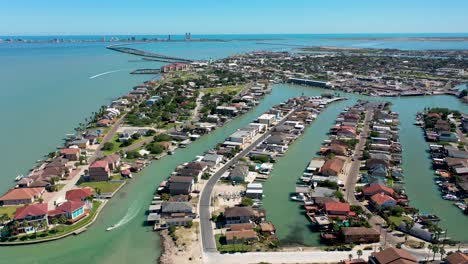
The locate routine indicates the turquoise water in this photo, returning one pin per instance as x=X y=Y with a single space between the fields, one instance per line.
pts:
x=47 y=91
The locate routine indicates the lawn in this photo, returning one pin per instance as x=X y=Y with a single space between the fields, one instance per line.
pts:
x=64 y=229
x=9 y=210
x=104 y=186
x=223 y=89
x=398 y=219
x=223 y=247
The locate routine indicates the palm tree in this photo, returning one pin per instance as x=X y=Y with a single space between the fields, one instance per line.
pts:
x=359 y=253
x=442 y=252
x=434 y=249
x=4 y=218
x=35 y=225
x=350 y=256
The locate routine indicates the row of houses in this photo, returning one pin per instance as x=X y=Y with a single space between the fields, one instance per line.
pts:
x=38 y=216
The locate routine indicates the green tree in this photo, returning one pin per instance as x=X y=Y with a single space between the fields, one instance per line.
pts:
x=359 y=253
x=246 y=201
x=108 y=146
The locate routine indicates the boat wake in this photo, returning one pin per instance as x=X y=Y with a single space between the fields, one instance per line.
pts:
x=132 y=212
x=104 y=73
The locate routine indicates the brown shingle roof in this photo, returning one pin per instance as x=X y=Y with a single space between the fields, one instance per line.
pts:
x=394 y=256
x=335 y=164
x=239 y=211
x=244 y=234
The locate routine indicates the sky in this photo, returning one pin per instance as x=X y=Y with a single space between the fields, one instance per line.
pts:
x=66 y=17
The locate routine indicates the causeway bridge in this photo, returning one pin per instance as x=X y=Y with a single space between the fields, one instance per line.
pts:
x=147 y=54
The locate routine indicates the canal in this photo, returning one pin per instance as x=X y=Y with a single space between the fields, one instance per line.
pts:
x=134 y=242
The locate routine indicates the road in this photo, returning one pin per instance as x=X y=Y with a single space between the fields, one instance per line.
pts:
x=354 y=170
x=208 y=241
x=71 y=184
x=313 y=256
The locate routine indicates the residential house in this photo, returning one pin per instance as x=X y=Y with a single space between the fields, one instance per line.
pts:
x=267 y=119
x=332 y=167
x=376 y=188
x=239 y=173
x=21 y=196
x=337 y=149
x=457 y=258
x=176 y=209
x=237 y=215
x=277 y=139
x=392 y=256
x=267 y=228
x=180 y=185
x=81 y=194
x=72 y=154
x=29 y=214
x=382 y=201
x=99 y=171
x=72 y=210
x=359 y=235
x=240 y=136
x=113 y=161
x=81 y=143
x=379 y=170
x=212 y=159
x=346 y=132
x=337 y=209
x=242 y=236
x=226 y=110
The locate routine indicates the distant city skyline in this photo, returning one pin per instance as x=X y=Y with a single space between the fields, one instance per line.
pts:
x=86 y=17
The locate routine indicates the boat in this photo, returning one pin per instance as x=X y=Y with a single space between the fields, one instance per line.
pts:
x=19 y=177
x=110 y=228
x=450 y=197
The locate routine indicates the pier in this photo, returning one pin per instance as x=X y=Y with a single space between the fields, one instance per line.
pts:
x=146 y=54
x=146 y=71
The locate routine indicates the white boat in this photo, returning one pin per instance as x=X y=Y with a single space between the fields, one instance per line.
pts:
x=450 y=197
x=110 y=228
x=19 y=177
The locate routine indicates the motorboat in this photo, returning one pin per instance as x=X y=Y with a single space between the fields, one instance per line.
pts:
x=110 y=228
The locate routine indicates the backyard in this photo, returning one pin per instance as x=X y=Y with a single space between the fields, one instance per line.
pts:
x=103 y=186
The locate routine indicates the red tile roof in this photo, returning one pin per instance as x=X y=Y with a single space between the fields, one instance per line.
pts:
x=99 y=164
x=337 y=207
x=381 y=198
x=457 y=258
x=31 y=210
x=69 y=207
x=78 y=194
x=22 y=194
x=377 y=188
x=69 y=151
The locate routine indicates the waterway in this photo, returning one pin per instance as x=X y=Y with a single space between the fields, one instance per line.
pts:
x=49 y=91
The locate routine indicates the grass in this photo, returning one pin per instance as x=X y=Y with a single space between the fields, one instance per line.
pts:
x=9 y=210
x=223 y=89
x=104 y=186
x=59 y=186
x=224 y=248
x=63 y=229
x=398 y=219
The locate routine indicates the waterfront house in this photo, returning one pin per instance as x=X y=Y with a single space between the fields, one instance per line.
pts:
x=457 y=258
x=378 y=170
x=267 y=119
x=267 y=228
x=24 y=182
x=376 y=188
x=277 y=139
x=337 y=209
x=80 y=194
x=359 y=235
x=72 y=210
x=104 y=122
x=337 y=149
x=176 y=209
x=417 y=230
x=382 y=201
x=113 y=161
x=237 y=215
x=240 y=136
x=29 y=214
x=239 y=173
x=346 y=132
x=21 y=196
x=81 y=143
x=446 y=136
x=392 y=256
x=374 y=161
x=99 y=171
x=226 y=110
x=72 y=154
x=454 y=153
x=254 y=191
x=241 y=236
x=332 y=167
x=180 y=185
x=212 y=159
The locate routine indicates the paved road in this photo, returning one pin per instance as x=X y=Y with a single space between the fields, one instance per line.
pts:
x=208 y=241
x=354 y=170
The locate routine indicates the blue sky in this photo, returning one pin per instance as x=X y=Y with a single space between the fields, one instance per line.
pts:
x=33 y=17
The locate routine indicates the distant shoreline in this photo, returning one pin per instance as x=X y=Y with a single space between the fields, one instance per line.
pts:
x=458 y=39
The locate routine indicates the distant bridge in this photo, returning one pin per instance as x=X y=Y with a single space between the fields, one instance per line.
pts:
x=146 y=54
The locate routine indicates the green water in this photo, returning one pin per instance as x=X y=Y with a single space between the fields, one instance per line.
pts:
x=133 y=242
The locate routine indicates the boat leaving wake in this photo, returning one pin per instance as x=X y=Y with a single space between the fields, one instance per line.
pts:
x=104 y=73
x=131 y=213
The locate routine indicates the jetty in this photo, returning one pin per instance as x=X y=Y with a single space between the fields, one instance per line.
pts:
x=146 y=71
x=146 y=53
